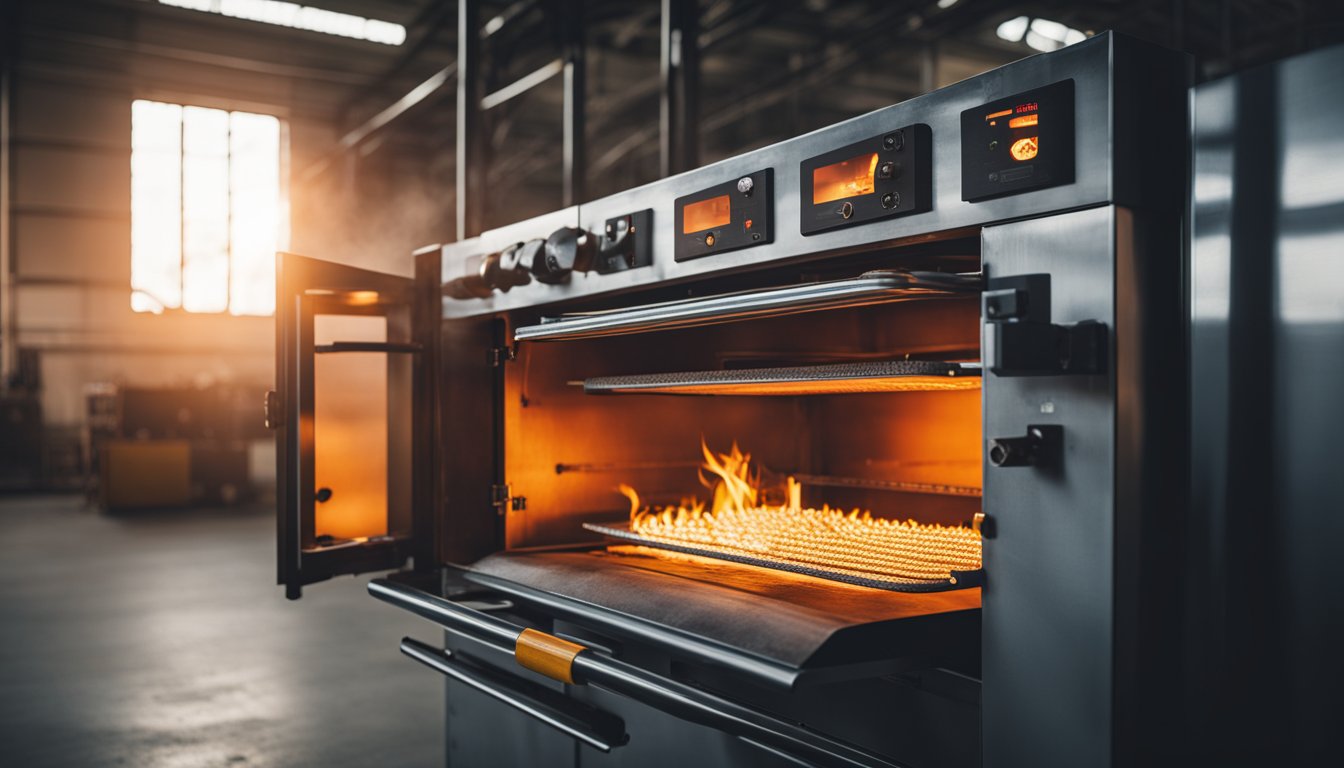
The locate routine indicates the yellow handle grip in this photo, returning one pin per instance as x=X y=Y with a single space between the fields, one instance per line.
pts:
x=547 y=655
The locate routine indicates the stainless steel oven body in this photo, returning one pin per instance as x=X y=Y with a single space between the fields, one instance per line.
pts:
x=1024 y=227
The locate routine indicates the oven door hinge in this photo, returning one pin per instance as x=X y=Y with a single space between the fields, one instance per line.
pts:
x=501 y=496
x=501 y=355
x=271 y=410
x=1020 y=340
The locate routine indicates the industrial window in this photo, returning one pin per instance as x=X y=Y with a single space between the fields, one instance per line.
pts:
x=208 y=209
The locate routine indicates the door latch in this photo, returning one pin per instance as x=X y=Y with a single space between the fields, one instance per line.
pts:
x=1020 y=340
x=1041 y=446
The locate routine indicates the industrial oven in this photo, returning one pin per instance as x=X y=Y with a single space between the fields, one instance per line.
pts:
x=859 y=449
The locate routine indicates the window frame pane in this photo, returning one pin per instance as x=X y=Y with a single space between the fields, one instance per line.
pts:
x=187 y=167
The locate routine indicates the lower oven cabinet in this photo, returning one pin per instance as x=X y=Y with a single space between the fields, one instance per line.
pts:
x=642 y=708
x=480 y=729
x=926 y=718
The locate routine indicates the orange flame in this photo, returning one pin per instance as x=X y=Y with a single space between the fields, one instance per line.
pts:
x=738 y=523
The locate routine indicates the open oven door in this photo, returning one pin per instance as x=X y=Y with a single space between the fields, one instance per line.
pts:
x=352 y=375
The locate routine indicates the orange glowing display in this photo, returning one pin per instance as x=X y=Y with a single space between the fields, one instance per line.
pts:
x=1024 y=121
x=740 y=523
x=706 y=214
x=1000 y=113
x=1024 y=149
x=848 y=178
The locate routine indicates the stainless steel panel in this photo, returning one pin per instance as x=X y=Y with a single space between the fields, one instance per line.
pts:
x=1267 y=352
x=1048 y=602
x=481 y=731
x=1098 y=173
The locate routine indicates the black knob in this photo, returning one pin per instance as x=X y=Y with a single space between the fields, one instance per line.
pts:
x=1039 y=446
x=568 y=249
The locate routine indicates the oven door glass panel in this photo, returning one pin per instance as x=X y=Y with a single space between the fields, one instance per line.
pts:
x=350 y=430
x=348 y=369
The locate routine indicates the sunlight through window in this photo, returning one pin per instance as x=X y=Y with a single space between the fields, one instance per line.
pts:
x=207 y=209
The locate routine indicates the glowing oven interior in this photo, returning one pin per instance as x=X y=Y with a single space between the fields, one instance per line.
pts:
x=865 y=482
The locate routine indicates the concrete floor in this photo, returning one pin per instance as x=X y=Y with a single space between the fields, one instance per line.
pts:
x=160 y=640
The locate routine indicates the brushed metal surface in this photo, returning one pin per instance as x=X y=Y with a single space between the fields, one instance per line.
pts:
x=1099 y=176
x=1048 y=599
x=1267 y=366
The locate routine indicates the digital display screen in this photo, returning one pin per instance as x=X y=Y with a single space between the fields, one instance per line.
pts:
x=848 y=178
x=1024 y=149
x=706 y=214
x=1019 y=143
x=1022 y=145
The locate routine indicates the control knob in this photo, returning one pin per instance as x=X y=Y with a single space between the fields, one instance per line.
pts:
x=483 y=275
x=568 y=249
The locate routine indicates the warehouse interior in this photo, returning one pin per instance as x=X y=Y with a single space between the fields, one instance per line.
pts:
x=155 y=154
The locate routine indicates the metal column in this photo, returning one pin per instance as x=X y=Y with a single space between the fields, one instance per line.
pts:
x=1267 y=362
x=574 y=155
x=9 y=43
x=470 y=164
x=680 y=106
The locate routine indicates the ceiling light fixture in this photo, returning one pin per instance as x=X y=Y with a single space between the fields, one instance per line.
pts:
x=1042 y=34
x=303 y=17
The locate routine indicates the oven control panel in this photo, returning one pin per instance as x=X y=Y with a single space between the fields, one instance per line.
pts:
x=1019 y=143
x=890 y=174
x=725 y=217
x=625 y=242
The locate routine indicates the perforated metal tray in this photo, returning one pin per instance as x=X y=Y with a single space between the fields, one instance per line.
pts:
x=884 y=376
x=959 y=580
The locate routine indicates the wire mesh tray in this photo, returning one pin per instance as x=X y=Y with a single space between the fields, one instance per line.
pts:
x=842 y=378
x=958 y=579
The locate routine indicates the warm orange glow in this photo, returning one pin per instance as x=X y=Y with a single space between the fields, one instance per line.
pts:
x=1024 y=121
x=848 y=178
x=741 y=522
x=350 y=429
x=361 y=298
x=1000 y=113
x=1024 y=149
x=706 y=214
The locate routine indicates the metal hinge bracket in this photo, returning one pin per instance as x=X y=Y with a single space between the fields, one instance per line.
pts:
x=502 y=355
x=502 y=498
x=272 y=412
